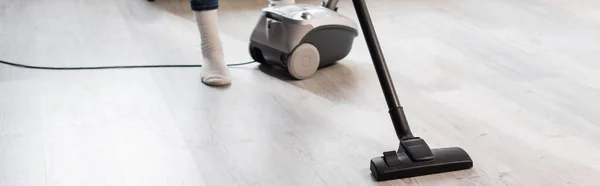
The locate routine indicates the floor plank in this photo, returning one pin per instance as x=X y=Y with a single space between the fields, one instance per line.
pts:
x=515 y=83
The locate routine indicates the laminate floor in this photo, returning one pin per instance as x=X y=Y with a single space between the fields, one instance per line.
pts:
x=514 y=83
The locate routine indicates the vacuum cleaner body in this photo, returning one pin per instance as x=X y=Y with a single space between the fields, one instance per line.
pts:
x=301 y=38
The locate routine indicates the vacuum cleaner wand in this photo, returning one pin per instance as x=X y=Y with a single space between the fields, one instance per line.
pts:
x=413 y=157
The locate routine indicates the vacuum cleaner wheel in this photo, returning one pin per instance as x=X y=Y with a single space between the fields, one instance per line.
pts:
x=256 y=54
x=304 y=61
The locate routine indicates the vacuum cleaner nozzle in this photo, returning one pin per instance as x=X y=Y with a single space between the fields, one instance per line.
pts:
x=398 y=165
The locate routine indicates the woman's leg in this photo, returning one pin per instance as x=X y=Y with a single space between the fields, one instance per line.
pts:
x=215 y=70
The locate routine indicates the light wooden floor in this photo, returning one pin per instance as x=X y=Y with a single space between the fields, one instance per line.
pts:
x=515 y=83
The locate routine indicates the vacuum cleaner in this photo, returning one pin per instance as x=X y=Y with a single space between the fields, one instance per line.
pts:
x=304 y=44
x=302 y=38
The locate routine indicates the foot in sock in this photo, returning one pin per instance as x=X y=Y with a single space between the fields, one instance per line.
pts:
x=215 y=72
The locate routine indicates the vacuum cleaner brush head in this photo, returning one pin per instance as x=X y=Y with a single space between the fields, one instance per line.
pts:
x=394 y=165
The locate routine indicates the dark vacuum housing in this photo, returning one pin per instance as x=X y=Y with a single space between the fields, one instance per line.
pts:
x=302 y=38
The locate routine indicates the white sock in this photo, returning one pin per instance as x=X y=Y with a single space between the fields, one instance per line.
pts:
x=215 y=70
x=281 y=2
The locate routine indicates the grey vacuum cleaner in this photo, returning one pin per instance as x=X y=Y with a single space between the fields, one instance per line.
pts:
x=413 y=157
x=302 y=38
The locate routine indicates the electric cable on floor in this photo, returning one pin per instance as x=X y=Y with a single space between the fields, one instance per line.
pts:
x=111 y=67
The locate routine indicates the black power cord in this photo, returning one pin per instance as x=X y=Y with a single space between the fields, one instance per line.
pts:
x=110 y=67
